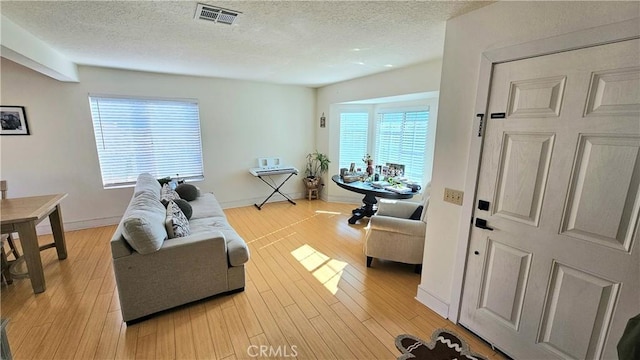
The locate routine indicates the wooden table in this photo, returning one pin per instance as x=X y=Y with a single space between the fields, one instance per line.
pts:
x=21 y=215
x=369 y=201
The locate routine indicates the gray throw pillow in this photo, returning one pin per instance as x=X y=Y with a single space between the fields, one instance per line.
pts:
x=187 y=191
x=186 y=208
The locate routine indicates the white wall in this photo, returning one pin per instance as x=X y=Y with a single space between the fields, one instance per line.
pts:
x=467 y=37
x=419 y=78
x=240 y=122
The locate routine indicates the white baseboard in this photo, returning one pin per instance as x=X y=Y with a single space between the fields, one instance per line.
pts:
x=345 y=199
x=252 y=201
x=45 y=227
x=433 y=302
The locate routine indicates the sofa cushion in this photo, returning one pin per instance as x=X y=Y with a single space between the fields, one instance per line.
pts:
x=176 y=222
x=187 y=191
x=143 y=223
x=237 y=249
x=206 y=206
x=147 y=183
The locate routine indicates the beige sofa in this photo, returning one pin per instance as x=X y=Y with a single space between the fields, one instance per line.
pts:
x=154 y=273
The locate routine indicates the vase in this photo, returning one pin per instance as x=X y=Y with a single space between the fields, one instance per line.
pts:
x=370 y=167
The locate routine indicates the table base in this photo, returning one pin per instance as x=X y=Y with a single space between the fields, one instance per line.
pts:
x=368 y=208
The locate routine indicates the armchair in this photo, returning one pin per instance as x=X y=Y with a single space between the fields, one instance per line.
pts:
x=392 y=235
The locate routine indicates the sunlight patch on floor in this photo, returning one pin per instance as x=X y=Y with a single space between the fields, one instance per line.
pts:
x=328 y=212
x=326 y=270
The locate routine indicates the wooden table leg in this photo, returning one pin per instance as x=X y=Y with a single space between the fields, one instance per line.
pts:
x=31 y=253
x=55 y=218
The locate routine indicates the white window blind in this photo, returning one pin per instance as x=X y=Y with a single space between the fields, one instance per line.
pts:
x=137 y=135
x=354 y=132
x=401 y=138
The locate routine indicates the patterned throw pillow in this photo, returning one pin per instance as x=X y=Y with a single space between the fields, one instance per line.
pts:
x=167 y=193
x=176 y=223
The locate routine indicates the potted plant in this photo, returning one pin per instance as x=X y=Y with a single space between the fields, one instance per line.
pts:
x=317 y=165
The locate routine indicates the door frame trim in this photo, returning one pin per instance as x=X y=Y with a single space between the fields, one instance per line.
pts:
x=601 y=35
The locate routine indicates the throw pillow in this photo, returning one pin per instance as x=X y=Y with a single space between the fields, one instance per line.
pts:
x=164 y=180
x=186 y=208
x=417 y=213
x=168 y=194
x=187 y=191
x=176 y=223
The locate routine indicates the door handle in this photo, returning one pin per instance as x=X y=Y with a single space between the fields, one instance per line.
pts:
x=482 y=224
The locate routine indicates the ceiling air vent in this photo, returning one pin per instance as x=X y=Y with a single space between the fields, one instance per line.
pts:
x=215 y=14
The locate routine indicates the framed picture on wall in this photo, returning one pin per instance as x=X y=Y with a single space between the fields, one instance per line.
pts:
x=13 y=121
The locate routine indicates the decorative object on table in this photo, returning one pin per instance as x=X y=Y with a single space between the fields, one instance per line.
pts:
x=317 y=165
x=352 y=168
x=380 y=184
x=13 y=121
x=395 y=170
x=369 y=162
x=384 y=172
x=444 y=345
x=349 y=178
x=343 y=172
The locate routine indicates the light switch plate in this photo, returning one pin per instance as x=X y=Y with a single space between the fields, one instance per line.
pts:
x=453 y=196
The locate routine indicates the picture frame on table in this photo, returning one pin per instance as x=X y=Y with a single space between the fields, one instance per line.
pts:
x=395 y=170
x=13 y=120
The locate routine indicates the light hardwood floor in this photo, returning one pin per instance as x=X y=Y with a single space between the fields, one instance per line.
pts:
x=308 y=294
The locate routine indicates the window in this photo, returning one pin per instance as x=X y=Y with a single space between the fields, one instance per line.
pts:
x=136 y=135
x=354 y=132
x=396 y=135
x=401 y=138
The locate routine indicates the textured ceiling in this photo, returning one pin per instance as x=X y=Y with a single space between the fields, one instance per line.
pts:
x=311 y=43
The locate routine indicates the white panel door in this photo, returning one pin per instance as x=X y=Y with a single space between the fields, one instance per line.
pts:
x=555 y=273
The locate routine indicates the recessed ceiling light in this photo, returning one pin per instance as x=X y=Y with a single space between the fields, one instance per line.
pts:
x=389 y=66
x=355 y=49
